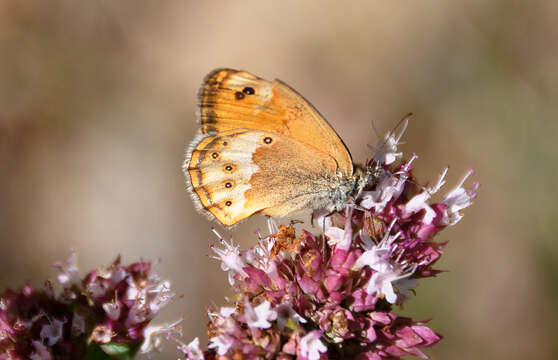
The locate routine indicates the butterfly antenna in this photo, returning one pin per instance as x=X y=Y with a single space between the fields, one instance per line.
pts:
x=405 y=122
x=376 y=130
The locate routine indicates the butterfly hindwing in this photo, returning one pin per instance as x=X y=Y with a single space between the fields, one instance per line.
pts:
x=237 y=173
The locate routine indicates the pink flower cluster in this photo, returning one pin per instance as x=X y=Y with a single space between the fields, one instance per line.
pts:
x=331 y=296
x=110 y=309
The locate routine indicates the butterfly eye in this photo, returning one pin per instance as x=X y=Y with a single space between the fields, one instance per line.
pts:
x=239 y=96
x=215 y=155
x=268 y=140
x=248 y=90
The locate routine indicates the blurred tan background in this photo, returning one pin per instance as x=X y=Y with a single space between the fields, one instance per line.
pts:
x=97 y=102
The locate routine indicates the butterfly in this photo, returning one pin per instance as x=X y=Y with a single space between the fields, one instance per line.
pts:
x=263 y=148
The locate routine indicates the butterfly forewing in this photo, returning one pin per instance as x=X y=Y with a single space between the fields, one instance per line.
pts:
x=231 y=99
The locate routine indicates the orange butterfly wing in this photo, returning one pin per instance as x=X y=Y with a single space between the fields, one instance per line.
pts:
x=235 y=174
x=231 y=99
x=234 y=170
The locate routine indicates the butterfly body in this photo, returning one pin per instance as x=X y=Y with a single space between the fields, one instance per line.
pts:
x=263 y=148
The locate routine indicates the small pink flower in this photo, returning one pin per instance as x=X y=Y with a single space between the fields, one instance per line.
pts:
x=386 y=150
x=259 y=316
x=193 y=350
x=41 y=352
x=389 y=187
x=375 y=256
x=52 y=332
x=69 y=270
x=334 y=235
x=421 y=201
x=112 y=309
x=102 y=334
x=458 y=199
x=152 y=335
x=222 y=343
x=231 y=259
x=311 y=347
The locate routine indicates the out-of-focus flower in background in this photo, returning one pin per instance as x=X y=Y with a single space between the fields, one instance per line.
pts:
x=332 y=296
x=107 y=314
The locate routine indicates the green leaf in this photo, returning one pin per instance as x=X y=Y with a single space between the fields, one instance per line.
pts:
x=94 y=352
x=112 y=351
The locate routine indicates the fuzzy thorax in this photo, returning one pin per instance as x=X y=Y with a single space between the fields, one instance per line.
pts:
x=350 y=188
